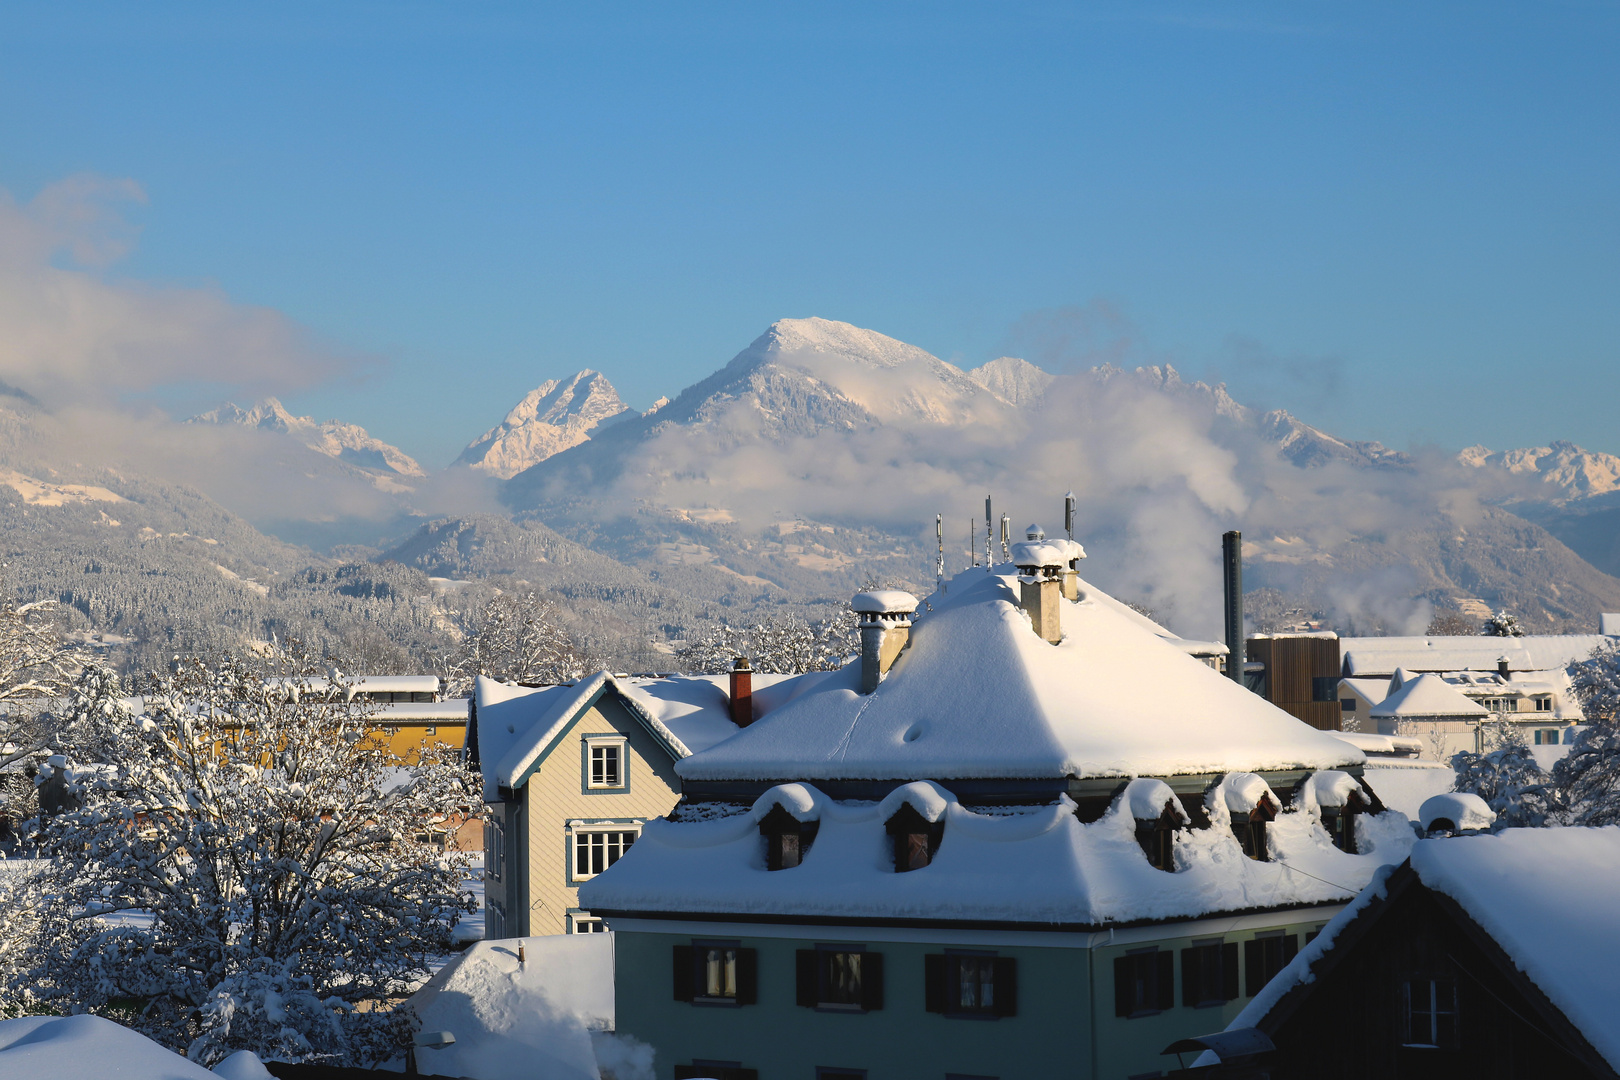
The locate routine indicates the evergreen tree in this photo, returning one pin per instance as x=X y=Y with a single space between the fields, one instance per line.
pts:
x=1502 y=624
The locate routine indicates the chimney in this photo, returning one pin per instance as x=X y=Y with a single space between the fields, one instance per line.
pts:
x=1045 y=573
x=1502 y=667
x=1232 y=580
x=885 y=621
x=742 y=692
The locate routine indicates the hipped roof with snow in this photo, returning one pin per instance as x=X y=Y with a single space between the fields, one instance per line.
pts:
x=1383 y=655
x=977 y=694
x=1428 y=696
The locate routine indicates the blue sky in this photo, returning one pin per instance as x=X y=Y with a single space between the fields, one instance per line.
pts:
x=1400 y=221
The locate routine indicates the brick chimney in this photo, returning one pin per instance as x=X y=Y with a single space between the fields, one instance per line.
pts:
x=742 y=692
x=885 y=620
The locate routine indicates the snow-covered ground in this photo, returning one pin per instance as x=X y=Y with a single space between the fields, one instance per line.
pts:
x=91 y=1048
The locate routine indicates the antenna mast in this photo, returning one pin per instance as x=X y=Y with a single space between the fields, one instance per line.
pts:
x=1068 y=514
x=1006 y=538
x=973 y=543
x=988 y=561
x=939 y=567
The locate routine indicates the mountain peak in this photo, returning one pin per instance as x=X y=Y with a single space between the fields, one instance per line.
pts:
x=1012 y=379
x=556 y=415
x=1570 y=470
x=348 y=443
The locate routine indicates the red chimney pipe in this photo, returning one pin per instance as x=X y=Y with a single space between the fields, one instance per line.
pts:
x=742 y=692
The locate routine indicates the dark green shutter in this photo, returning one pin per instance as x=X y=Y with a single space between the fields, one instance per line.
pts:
x=747 y=976
x=872 y=981
x=934 y=982
x=1253 y=977
x=1229 y=971
x=685 y=975
x=1006 y=975
x=1167 y=979
x=1290 y=948
x=807 y=978
x=1192 y=964
x=1122 y=985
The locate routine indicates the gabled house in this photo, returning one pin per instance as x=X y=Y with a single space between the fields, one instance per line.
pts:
x=1475 y=959
x=1026 y=835
x=570 y=774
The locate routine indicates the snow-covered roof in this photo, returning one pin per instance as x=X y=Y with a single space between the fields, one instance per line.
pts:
x=1371 y=690
x=1373 y=744
x=1028 y=865
x=1464 y=809
x=1056 y=552
x=88 y=1048
x=528 y=1019
x=451 y=711
x=518 y=725
x=394 y=684
x=1382 y=655
x=1428 y=696
x=1514 y=885
x=1609 y=624
x=884 y=601
x=978 y=694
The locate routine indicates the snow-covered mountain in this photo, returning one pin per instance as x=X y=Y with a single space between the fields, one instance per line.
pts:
x=1570 y=471
x=1013 y=380
x=348 y=443
x=1309 y=447
x=556 y=415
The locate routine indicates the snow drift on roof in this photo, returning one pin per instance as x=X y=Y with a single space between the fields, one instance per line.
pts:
x=1033 y=865
x=1515 y=885
x=978 y=694
x=1426 y=696
x=1463 y=809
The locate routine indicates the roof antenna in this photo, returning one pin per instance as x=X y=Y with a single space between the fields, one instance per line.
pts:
x=1006 y=538
x=987 y=527
x=973 y=544
x=1068 y=514
x=939 y=566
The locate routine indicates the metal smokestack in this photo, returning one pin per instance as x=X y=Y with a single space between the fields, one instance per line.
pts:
x=1232 y=579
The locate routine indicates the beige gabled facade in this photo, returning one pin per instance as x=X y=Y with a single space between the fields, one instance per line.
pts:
x=586 y=767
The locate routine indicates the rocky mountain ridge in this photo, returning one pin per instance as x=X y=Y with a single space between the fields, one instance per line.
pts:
x=556 y=415
x=348 y=443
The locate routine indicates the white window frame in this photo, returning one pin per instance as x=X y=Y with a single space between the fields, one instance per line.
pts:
x=591 y=924
x=603 y=742
x=579 y=831
x=494 y=847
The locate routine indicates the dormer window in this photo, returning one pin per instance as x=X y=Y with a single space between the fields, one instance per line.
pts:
x=1158 y=836
x=787 y=839
x=1340 y=822
x=916 y=839
x=1250 y=829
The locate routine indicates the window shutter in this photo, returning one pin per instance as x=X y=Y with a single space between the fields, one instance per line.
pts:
x=747 y=976
x=934 y=988
x=872 y=981
x=1191 y=975
x=1229 y=971
x=685 y=976
x=1253 y=976
x=807 y=977
x=1006 y=974
x=1122 y=985
x=1167 y=979
x=1290 y=947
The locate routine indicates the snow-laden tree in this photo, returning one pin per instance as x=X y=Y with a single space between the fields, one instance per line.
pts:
x=517 y=637
x=786 y=645
x=286 y=859
x=1589 y=775
x=1512 y=784
x=1502 y=624
x=36 y=667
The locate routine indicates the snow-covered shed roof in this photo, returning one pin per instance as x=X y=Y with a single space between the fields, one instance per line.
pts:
x=88 y=1048
x=1032 y=865
x=1514 y=885
x=977 y=694
x=1369 y=656
x=519 y=725
x=1428 y=696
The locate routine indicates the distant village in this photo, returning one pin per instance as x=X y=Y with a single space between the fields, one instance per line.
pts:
x=1020 y=830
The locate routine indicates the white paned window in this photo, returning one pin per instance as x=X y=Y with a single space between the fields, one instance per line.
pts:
x=604 y=762
x=597 y=848
x=585 y=924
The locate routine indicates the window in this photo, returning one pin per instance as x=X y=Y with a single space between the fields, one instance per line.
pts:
x=1430 y=1013
x=1324 y=687
x=970 y=984
x=715 y=1070
x=787 y=839
x=839 y=977
x=597 y=849
x=494 y=847
x=1209 y=973
x=1264 y=956
x=1547 y=737
x=1158 y=838
x=1347 y=705
x=716 y=973
x=1543 y=704
x=605 y=760
x=430 y=730
x=586 y=924
x=916 y=839
x=1144 y=982
x=1340 y=822
x=1250 y=832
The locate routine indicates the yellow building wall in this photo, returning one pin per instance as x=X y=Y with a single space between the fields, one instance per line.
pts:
x=408 y=740
x=557 y=794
